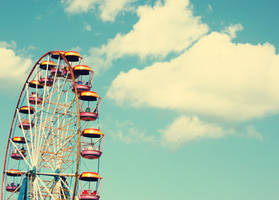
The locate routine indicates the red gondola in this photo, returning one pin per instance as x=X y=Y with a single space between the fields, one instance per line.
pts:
x=12 y=187
x=88 y=195
x=17 y=156
x=34 y=98
x=46 y=81
x=58 y=72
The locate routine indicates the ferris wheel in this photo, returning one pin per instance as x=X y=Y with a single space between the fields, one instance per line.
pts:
x=55 y=142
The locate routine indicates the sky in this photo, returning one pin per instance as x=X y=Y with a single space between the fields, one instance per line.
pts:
x=190 y=89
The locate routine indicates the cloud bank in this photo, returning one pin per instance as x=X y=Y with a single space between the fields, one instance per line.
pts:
x=215 y=77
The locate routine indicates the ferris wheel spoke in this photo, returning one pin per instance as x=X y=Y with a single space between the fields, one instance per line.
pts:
x=30 y=122
x=44 y=96
x=24 y=135
x=55 y=153
x=52 y=91
x=68 y=138
x=58 y=154
x=66 y=185
x=59 y=96
x=43 y=132
x=39 y=189
x=65 y=114
x=10 y=197
x=45 y=187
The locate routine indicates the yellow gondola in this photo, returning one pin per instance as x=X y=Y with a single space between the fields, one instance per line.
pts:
x=92 y=133
x=88 y=96
x=89 y=176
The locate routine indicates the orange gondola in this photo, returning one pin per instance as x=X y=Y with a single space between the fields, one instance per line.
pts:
x=20 y=140
x=14 y=172
x=89 y=114
x=56 y=54
x=72 y=56
x=89 y=176
x=47 y=64
x=35 y=84
x=82 y=70
x=27 y=110
x=84 y=75
x=88 y=96
x=92 y=149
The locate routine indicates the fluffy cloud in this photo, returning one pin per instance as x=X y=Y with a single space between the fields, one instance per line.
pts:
x=233 y=29
x=109 y=9
x=79 y=6
x=185 y=129
x=127 y=133
x=160 y=30
x=12 y=65
x=215 y=77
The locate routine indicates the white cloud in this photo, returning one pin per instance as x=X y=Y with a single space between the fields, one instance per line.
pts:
x=233 y=29
x=79 y=6
x=185 y=129
x=5 y=44
x=109 y=9
x=127 y=133
x=12 y=65
x=253 y=133
x=87 y=27
x=215 y=77
x=160 y=30
x=210 y=8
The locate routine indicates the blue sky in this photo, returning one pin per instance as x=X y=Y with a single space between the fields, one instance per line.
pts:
x=190 y=89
